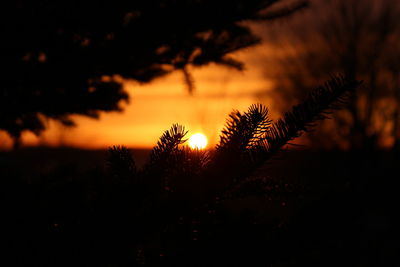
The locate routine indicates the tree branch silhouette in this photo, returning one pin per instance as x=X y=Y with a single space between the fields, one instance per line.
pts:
x=248 y=141
x=68 y=57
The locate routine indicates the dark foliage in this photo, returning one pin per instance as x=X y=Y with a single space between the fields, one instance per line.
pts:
x=247 y=141
x=183 y=209
x=188 y=184
x=121 y=163
x=316 y=107
x=69 y=57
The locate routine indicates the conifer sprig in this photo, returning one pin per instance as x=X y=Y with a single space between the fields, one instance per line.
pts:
x=121 y=163
x=248 y=140
x=317 y=106
x=168 y=143
x=161 y=163
x=243 y=131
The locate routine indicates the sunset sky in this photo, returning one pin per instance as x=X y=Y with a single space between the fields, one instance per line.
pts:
x=154 y=107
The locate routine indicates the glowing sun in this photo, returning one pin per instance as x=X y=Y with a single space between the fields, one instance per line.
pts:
x=198 y=141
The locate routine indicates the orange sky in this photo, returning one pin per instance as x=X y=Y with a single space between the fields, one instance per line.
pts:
x=154 y=107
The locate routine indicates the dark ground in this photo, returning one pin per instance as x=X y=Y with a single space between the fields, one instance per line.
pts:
x=319 y=209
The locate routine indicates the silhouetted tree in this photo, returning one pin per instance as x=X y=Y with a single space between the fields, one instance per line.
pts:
x=69 y=57
x=359 y=38
x=178 y=182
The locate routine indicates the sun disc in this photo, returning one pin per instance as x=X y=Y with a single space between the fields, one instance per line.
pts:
x=198 y=141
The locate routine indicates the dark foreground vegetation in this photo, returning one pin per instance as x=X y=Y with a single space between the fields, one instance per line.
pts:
x=326 y=209
x=245 y=203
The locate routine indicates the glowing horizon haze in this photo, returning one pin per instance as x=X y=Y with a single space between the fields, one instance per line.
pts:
x=154 y=107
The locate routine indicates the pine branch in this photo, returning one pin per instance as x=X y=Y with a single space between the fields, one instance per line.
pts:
x=317 y=106
x=189 y=162
x=232 y=63
x=121 y=163
x=189 y=80
x=250 y=139
x=231 y=160
x=169 y=141
x=243 y=131
x=161 y=156
x=184 y=171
